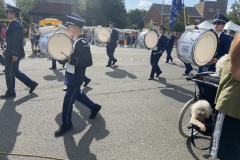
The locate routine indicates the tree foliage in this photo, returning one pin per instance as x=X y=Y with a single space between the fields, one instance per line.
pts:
x=234 y=15
x=179 y=26
x=2 y=10
x=136 y=17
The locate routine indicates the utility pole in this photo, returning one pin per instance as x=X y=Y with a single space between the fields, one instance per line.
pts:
x=162 y=12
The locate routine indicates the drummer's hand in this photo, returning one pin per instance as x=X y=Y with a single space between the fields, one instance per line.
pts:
x=160 y=51
x=109 y=40
x=69 y=60
x=3 y=53
x=14 y=58
x=214 y=60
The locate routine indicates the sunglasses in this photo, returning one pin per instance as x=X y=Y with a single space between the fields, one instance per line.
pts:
x=218 y=23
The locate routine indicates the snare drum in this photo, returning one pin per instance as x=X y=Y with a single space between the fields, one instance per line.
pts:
x=147 y=39
x=102 y=34
x=197 y=47
x=54 y=44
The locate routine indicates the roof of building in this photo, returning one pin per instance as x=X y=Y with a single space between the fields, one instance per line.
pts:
x=192 y=11
x=56 y=7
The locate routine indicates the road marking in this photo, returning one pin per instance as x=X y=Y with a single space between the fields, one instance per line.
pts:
x=143 y=59
x=131 y=59
x=164 y=59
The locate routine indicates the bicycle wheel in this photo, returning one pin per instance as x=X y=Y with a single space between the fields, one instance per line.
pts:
x=184 y=120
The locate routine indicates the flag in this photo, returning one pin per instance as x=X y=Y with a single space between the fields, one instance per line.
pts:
x=174 y=10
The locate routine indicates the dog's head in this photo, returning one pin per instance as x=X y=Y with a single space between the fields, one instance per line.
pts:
x=202 y=109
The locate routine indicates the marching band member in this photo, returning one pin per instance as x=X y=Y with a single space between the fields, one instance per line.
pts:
x=14 y=52
x=75 y=74
x=156 y=54
x=224 y=44
x=232 y=33
x=170 y=46
x=111 y=46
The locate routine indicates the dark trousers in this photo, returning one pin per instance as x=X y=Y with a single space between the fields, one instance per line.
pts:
x=12 y=71
x=154 y=59
x=2 y=60
x=72 y=94
x=121 y=42
x=86 y=79
x=169 y=52
x=110 y=53
x=188 y=68
x=54 y=63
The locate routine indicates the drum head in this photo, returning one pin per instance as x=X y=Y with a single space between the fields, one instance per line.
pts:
x=103 y=34
x=57 y=43
x=205 y=48
x=151 y=39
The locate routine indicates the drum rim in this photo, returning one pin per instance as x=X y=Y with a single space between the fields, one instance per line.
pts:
x=51 y=37
x=144 y=39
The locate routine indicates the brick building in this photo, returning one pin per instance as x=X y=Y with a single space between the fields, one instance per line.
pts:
x=204 y=10
x=53 y=9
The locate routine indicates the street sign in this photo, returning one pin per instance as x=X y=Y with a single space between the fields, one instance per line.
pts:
x=155 y=22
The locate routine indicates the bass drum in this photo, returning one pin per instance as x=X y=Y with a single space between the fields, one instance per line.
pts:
x=147 y=40
x=62 y=30
x=102 y=34
x=197 y=47
x=55 y=44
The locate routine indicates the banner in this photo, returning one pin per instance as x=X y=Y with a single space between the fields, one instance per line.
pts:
x=174 y=10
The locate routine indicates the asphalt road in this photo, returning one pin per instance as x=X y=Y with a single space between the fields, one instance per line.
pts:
x=138 y=120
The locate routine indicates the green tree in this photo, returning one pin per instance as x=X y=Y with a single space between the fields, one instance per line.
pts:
x=2 y=10
x=179 y=26
x=136 y=17
x=150 y=26
x=234 y=15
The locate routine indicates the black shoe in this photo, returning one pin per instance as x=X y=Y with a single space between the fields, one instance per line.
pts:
x=52 y=68
x=108 y=65
x=171 y=60
x=64 y=128
x=114 y=62
x=150 y=78
x=7 y=96
x=86 y=83
x=3 y=70
x=65 y=89
x=158 y=74
x=33 y=87
x=166 y=62
x=95 y=111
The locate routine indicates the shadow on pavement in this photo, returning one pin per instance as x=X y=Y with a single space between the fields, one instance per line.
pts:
x=120 y=73
x=9 y=122
x=175 y=92
x=59 y=76
x=97 y=129
x=189 y=146
x=182 y=66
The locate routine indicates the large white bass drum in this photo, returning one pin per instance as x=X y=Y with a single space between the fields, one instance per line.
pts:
x=147 y=39
x=102 y=34
x=197 y=47
x=55 y=44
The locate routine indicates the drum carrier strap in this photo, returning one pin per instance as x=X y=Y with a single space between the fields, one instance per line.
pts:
x=76 y=41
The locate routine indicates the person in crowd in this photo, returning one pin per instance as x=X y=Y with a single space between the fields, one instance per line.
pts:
x=156 y=54
x=121 y=39
x=32 y=35
x=3 y=32
x=88 y=36
x=170 y=46
x=128 y=39
x=111 y=46
x=232 y=33
x=133 y=39
x=136 y=39
x=92 y=37
x=80 y=60
x=225 y=139
x=14 y=52
x=224 y=44
x=2 y=60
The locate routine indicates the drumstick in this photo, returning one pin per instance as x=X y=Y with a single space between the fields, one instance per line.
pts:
x=65 y=55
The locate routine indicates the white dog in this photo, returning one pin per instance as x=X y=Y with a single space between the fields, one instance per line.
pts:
x=201 y=111
x=220 y=64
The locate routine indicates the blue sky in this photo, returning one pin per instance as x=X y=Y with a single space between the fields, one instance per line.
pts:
x=145 y=4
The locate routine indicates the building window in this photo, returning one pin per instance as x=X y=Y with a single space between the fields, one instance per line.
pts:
x=211 y=9
x=218 y=10
x=197 y=22
x=36 y=19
